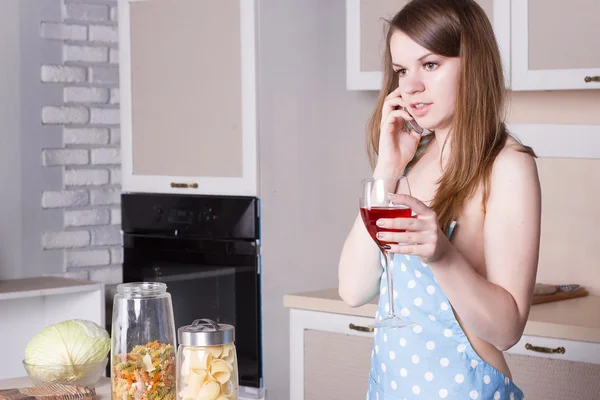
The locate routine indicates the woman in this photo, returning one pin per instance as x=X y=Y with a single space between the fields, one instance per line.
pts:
x=467 y=291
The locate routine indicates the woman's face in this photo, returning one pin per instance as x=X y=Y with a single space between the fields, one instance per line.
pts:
x=428 y=82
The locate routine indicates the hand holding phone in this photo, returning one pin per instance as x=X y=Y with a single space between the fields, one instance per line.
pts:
x=413 y=124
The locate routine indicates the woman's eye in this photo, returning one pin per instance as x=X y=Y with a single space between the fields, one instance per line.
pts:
x=430 y=65
x=400 y=72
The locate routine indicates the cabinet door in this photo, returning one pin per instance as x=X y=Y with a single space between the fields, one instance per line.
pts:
x=336 y=365
x=329 y=355
x=555 y=45
x=552 y=379
x=188 y=96
x=365 y=40
x=553 y=369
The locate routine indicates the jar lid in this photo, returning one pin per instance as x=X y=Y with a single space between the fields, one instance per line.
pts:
x=206 y=332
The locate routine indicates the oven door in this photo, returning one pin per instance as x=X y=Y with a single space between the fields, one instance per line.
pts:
x=216 y=279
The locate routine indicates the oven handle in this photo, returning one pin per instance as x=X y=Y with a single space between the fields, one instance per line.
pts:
x=227 y=247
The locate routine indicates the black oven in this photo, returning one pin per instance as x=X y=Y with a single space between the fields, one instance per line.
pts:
x=207 y=250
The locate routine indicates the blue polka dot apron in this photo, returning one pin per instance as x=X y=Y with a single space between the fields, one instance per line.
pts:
x=432 y=358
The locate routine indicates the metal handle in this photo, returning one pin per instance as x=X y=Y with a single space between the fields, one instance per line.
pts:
x=547 y=350
x=360 y=328
x=184 y=185
x=589 y=79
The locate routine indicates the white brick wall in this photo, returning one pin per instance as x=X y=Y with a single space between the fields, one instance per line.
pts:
x=64 y=74
x=90 y=54
x=104 y=33
x=64 y=31
x=107 y=75
x=87 y=217
x=65 y=115
x=65 y=157
x=89 y=199
x=78 y=94
x=86 y=136
x=86 y=177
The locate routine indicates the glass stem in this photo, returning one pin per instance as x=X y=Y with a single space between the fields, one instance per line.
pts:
x=389 y=266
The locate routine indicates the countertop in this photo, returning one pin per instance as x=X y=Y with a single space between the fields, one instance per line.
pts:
x=573 y=319
x=44 y=286
x=102 y=387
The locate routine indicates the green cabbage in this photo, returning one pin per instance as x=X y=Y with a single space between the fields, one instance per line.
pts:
x=72 y=342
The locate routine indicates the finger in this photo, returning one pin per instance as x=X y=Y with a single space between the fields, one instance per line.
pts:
x=396 y=115
x=394 y=103
x=408 y=223
x=393 y=93
x=411 y=249
x=415 y=204
x=405 y=238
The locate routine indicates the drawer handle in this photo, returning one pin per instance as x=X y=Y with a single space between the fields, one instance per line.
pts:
x=548 y=350
x=360 y=328
x=589 y=79
x=184 y=185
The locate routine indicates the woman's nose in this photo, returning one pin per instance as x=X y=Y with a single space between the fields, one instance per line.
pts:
x=412 y=83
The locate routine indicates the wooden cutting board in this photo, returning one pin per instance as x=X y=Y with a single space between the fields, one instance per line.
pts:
x=547 y=298
x=49 y=392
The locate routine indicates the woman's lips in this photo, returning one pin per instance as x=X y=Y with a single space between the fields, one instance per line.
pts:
x=419 y=112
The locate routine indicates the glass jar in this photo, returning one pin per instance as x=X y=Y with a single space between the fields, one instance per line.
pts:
x=207 y=362
x=143 y=343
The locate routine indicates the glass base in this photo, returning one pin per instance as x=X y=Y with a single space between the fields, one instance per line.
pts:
x=391 y=322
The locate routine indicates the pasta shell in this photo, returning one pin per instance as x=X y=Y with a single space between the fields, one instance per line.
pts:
x=219 y=369
x=227 y=388
x=228 y=354
x=197 y=379
x=209 y=391
x=215 y=350
x=187 y=393
x=200 y=360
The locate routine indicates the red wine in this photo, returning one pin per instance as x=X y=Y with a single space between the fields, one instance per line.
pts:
x=371 y=215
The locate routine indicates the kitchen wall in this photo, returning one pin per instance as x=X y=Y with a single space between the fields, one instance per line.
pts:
x=311 y=159
x=88 y=156
x=61 y=121
x=23 y=138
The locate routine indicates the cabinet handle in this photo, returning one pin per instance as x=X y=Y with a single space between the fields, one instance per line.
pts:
x=184 y=185
x=539 y=349
x=589 y=79
x=360 y=328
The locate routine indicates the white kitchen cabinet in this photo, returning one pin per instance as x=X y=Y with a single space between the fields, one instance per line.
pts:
x=188 y=96
x=29 y=305
x=555 y=369
x=365 y=41
x=555 y=45
x=330 y=358
x=329 y=355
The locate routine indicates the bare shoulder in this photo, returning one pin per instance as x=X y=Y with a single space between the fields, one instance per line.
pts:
x=514 y=163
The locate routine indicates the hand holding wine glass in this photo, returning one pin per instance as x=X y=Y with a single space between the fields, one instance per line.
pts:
x=376 y=203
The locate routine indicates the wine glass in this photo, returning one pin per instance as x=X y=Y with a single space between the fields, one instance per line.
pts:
x=375 y=203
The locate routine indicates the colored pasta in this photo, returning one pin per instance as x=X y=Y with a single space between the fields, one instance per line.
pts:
x=146 y=373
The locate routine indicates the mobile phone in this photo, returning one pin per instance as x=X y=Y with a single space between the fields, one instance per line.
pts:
x=412 y=124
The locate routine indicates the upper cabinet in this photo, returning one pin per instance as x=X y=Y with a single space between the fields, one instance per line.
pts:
x=365 y=37
x=555 y=45
x=188 y=96
x=538 y=51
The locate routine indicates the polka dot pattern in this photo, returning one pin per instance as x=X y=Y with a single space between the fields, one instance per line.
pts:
x=431 y=358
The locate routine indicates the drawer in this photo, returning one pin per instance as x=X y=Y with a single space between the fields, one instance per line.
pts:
x=559 y=349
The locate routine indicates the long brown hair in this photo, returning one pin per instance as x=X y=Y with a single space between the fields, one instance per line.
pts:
x=455 y=28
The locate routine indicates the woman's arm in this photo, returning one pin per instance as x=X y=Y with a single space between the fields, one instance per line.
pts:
x=497 y=309
x=359 y=269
